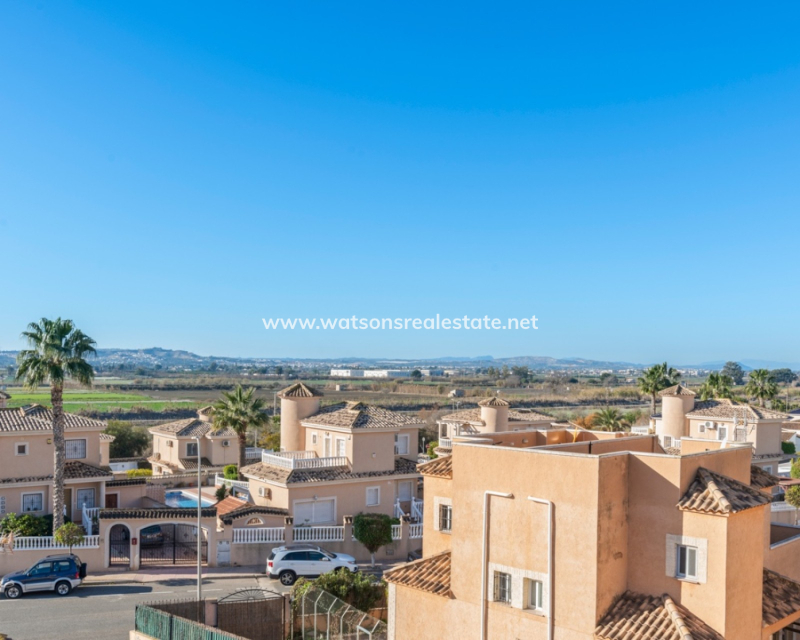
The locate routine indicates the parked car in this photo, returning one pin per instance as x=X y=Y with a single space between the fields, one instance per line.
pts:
x=60 y=573
x=152 y=536
x=306 y=560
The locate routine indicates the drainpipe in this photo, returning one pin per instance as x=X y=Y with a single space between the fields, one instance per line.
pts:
x=484 y=553
x=550 y=559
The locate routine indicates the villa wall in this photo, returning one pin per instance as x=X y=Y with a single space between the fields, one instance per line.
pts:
x=19 y=560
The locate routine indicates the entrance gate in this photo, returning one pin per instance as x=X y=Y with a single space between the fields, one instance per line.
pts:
x=119 y=545
x=171 y=544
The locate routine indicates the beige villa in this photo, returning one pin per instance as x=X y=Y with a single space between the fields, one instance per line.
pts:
x=338 y=460
x=572 y=535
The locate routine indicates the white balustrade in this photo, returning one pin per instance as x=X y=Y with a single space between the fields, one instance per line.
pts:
x=223 y=481
x=415 y=531
x=304 y=460
x=397 y=531
x=417 y=509
x=247 y=535
x=27 y=543
x=89 y=514
x=445 y=443
x=318 y=534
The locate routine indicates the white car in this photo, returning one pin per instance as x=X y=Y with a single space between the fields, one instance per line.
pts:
x=306 y=560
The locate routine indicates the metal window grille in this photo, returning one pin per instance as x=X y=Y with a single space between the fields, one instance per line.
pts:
x=502 y=587
x=76 y=449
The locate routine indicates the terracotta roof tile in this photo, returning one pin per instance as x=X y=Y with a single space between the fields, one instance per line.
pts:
x=38 y=418
x=299 y=390
x=191 y=463
x=107 y=437
x=714 y=493
x=428 y=574
x=402 y=466
x=640 y=617
x=780 y=597
x=357 y=415
x=677 y=390
x=728 y=410
x=228 y=504
x=438 y=468
x=252 y=510
x=493 y=402
x=192 y=427
x=167 y=513
x=4 y=396
x=514 y=415
x=760 y=479
x=126 y=482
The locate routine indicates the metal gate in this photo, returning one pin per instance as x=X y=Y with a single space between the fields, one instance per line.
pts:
x=119 y=540
x=171 y=544
x=253 y=613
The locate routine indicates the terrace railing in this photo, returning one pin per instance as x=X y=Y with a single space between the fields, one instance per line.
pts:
x=89 y=516
x=227 y=482
x=415 y=531
x=445 y=443
x=397 y=531
x=308 y=460
x=318 y=534
x=248 y=535
x=417 y=509
x=41 y=543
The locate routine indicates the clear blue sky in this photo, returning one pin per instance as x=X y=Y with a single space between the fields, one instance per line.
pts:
x=172 y=172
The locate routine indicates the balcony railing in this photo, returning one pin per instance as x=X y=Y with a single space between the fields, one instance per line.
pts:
x=227 y=482
x=415 y=531
x=89 y=515
x=445 y=443
x=301 y=460
x=255 y=536
x=318 y=534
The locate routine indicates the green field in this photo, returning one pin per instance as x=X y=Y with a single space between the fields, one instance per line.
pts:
x=76 y=400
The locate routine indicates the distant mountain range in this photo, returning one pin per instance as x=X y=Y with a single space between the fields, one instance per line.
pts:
x=156 y=357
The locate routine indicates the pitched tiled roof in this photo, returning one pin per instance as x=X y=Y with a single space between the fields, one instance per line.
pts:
x=126 y=482
x=780 y=597
x=438 y=468
x=299 y=390
x=428 y=574
x=107 y=437
x=192 y=427
x=170 y=513
x=760 y=479
x=640 y=617
x=357 y=415
x=717 y=494
x=677 y=390
x=728 y=409
x=74 y=470
x=4 y=396
x=402 y=466
x=191 y=463
x=38 y=418
x=228 y=504
x=253 y=510
x=514 y=415
x=494 y=401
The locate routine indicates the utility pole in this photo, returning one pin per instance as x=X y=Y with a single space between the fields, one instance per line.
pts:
x=199 y=529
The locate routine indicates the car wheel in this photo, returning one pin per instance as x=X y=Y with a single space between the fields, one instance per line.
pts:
x=63 y=588
x=287 y=578
x=13 y=592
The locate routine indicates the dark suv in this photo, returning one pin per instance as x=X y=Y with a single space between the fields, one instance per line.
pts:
x=54 y=573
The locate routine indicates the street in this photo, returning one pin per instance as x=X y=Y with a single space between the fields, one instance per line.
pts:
x=104 y=612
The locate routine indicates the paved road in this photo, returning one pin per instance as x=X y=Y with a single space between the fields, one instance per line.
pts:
x=102 y=612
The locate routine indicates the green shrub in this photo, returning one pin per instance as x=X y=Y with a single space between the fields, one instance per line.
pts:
x=788 y=448
x=221 y=493
x=69 y=534
x=231 y=472
x=373 y=530
x=359 y=590
x=793 y=496
x=26 y=525
x=139 y=473
x=432 y=449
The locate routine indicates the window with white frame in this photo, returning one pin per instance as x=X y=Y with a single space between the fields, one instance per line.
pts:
x=502 y=587
x=446 y=518
x=401 y=444
x=373 y=496
x=535 y=589
x=686 y=562
x=341 y=447
x=21 y=449
x=32 y=502
x=76 y=449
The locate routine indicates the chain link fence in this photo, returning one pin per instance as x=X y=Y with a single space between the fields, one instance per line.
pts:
x=318 y=615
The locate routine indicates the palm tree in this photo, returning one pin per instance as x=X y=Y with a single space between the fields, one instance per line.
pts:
x=717 y=385
x=655 y=379
x=609 y=419
x=239 y=410
x=761 y=385
x=56 y=353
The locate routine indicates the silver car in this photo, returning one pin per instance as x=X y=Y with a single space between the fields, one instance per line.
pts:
x=306 y=560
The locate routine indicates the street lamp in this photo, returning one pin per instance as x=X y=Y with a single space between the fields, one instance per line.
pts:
x=199 y=523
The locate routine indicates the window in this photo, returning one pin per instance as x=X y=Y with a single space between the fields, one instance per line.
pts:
x=313 y=437
x=373 y=496
x=722 y=433
x=327 y=446
x=502 y=587
x=85 y=498
x=341 y=447
x=191 y=449
x=252 y=522
x=768 y=468
x=401 y=444
x=535 y=594
x=76 y=449
x=264 y=492
x=21 y=449
x=667 y=441
x=169 y=443
x=446 y=518
x=320 y=511
x=686 y=559
x=32 y=502
x=42 y=569
x=405 y=490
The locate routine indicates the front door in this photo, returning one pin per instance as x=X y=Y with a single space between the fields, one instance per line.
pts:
x=68 y=503
x=112 y=501
x=85 y=499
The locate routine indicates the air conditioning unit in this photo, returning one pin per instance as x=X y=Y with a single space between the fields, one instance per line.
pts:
x=264 y=492
x=226 y=443
x=710 y=425
x=170 y=443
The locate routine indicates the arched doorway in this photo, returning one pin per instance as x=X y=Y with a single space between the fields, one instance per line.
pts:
x=119 y=542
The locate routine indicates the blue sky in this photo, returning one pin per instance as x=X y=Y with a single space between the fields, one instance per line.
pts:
x=174 y=172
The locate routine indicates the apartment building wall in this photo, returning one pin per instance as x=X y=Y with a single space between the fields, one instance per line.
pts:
x=438 y=491
x=39 y=458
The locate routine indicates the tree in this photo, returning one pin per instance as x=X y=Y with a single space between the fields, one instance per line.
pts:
x=416 y=374
x=761 y=386
x=373 y=530
x=609 y=419
x=239 y=410
x=56 y=353
x=734 y=371
x=523 y=373
x=230 y=471
x=717 y=385
x=69 y=534
x=129 y=441
x=608 y=379
x=784 y=376
x=655 y=379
